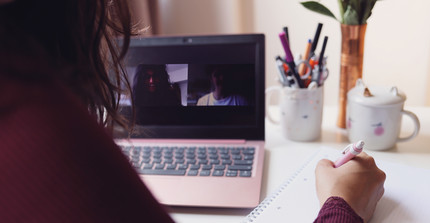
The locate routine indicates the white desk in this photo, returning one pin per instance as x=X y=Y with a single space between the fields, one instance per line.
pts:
x=283 y=157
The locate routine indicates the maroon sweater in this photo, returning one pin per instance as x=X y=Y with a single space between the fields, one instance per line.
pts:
x=336 y=210
x=58 y=165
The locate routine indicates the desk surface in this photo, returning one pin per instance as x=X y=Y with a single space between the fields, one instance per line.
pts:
x=283 y=157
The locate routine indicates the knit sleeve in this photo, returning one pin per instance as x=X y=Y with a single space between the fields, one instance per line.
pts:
x=59 y=165
x=336 y=210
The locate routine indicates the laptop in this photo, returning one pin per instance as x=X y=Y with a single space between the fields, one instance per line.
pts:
x=199 y=103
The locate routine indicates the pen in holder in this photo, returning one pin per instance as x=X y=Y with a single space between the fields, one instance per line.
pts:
x=320 y=73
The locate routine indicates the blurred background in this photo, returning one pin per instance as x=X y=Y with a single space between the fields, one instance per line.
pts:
x=397 y=45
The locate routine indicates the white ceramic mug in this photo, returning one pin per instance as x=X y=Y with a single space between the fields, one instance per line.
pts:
x=301 y=112
x=375 y=116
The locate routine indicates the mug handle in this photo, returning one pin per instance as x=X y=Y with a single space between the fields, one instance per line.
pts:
x=269 y=93
x=416 y=124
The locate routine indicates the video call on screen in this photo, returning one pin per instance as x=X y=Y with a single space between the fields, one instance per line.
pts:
x=182 y=86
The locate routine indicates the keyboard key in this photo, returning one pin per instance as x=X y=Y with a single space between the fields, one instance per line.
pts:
x=148 y=166
x=179 y=161
x=159 y=166
x=248 y=157
x=212 y=151
x=168 y=161
x=218 y=173
x=191 y=161
x=245 y=173
x=171 y=166
x=192 y=172
x=239 y=167
x=162 y=172
x=203 y=161
x=249 y=151
x=219 y=167
x=225 y=156
x=156 y=161
x=236 y=157
x=206 y=167
x=235 y=151
x=193 y=148
x=183 y=167
x=243 y=162
x=146 y=156
x=146 y=149
x=226 y=162
x=205 y=173
x=194 y=167
x=191 y=157
x=213 y=157
x=214 y=162
x=231 y=173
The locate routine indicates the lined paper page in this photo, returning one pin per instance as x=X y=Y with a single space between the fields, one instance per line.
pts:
x=406 y=198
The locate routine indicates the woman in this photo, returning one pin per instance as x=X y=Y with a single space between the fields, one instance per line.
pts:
x=152 y=87
x=58 y=164
x=57 y=106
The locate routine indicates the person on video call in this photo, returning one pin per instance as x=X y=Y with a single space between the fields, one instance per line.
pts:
x=220 y=78
x=58 y=103
x=152 y=87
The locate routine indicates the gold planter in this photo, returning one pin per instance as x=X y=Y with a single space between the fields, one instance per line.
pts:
x=351 y=64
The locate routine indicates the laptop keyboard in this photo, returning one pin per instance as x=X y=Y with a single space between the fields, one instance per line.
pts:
x=191 y=161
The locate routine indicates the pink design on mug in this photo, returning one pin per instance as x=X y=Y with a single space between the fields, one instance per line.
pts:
x=379 y=130
x=349 y=123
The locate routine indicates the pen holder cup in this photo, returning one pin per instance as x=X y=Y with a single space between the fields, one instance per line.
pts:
x=300 y=112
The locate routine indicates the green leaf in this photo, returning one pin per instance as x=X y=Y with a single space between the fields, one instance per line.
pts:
x=342 y=7
x=351 y=16
x=367 y=12
x=319 y=8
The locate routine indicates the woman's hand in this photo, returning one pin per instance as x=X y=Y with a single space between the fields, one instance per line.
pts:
x=359 y=182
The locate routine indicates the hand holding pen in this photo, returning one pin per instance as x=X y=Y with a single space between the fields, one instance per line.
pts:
x=349 y=152
x=360 y=183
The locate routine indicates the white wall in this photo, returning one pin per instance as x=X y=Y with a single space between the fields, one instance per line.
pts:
x=397 y=46
x=198 y=16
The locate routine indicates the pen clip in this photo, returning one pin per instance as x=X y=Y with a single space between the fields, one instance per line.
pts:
x=345 y=150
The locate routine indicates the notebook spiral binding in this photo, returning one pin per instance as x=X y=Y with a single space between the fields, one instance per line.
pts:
x=252 y=217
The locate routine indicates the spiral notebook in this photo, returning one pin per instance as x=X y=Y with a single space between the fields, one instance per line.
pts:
x=406 y=197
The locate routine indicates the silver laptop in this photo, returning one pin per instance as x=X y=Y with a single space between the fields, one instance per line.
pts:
x=199 y=102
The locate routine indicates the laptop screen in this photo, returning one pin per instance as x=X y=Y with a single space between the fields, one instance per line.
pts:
x=197 y=86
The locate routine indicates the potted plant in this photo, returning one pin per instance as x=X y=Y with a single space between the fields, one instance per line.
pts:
x=353 y=19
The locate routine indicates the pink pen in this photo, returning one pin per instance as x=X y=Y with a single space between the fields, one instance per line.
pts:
x=350 y=152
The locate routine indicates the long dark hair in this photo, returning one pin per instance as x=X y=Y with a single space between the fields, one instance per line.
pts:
x=79 y=38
